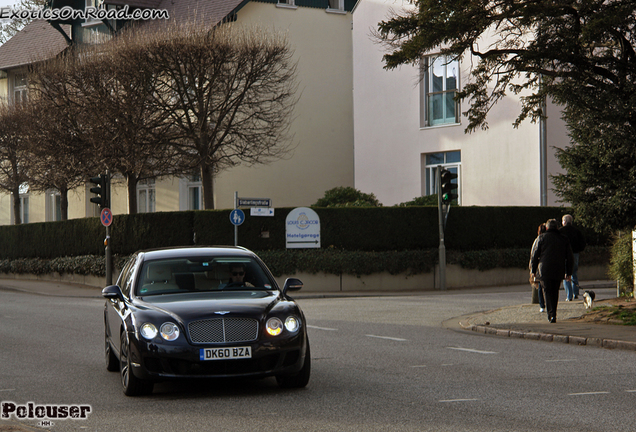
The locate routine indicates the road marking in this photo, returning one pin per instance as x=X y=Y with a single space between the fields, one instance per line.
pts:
x=630 y=391
x=387 y=337
x=564 y=360
x=418 y=366
x=472 y=350
x=6 y=390
x=457 y=400
x=588 y=393
x=322 y=328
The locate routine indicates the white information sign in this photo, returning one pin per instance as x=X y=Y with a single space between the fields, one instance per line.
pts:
x=261 y=211
x=302 y=229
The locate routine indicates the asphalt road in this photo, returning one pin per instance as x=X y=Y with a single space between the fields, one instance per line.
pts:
x=379 y=363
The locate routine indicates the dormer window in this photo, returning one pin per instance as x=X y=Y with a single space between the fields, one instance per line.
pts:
x=93 y=4
x=336 y=6
x=291 y=4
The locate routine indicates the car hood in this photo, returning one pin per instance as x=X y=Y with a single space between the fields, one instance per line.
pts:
x=201 y=305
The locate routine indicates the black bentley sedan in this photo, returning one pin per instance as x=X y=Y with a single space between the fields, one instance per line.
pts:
x=203 y=312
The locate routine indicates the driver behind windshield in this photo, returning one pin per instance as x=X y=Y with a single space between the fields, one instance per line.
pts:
x=237 y=276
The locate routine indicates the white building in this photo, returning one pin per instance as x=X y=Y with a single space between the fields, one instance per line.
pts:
x=404 y=127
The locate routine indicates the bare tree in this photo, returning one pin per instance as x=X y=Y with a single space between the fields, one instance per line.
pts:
x=104 y=100
x=58 y=158
x=59 y=136
x=229 y=91
x=134 y=135
x=8 y=28
x=13 y=154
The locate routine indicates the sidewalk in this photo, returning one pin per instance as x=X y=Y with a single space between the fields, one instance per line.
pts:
x=527 y=322
x=520 y=321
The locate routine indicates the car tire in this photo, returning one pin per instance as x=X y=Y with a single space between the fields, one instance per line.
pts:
x=131 y=385
x=300 y=379
x=112 y=364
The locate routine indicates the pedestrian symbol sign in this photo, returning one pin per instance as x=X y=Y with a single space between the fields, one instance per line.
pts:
x=237 y=217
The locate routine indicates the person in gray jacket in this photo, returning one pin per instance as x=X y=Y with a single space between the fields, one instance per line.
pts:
x=551 y=262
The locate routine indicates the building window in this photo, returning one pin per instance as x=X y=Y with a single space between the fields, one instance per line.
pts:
x=53 y=206
x=146 y=196
x=19 y=88
x=287 y=4
x=440 y=82
x=94 y=4
x=335 y=6
x=448 y=160
x=194 y=192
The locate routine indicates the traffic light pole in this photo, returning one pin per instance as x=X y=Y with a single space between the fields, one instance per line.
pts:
x=109 y=258
x=442 y=247
x=102 y=190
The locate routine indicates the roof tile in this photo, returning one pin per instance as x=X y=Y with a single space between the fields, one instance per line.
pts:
x=36 y=41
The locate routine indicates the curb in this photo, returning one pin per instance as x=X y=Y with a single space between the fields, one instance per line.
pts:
x=547 y=337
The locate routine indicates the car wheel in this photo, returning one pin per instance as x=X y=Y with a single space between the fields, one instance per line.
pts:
x=112 y=364
x=300 y=379
x=132 y=385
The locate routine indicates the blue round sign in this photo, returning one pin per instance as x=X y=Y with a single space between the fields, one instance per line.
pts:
x=237 y=217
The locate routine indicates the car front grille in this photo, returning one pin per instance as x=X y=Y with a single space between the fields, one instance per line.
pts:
x=220 y=330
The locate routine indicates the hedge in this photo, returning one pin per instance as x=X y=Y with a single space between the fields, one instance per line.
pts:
x=380 y=229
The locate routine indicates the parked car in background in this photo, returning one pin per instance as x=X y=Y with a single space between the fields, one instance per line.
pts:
x=203 y=312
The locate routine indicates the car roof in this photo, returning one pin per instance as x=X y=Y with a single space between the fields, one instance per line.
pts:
x=188 y=251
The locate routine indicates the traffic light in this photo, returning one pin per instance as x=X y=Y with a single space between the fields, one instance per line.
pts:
x=448 y=186
x=102 y=190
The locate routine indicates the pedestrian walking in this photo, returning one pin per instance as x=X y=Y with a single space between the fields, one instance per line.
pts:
x=537 y=291
x=551 y=261
x=577 y=242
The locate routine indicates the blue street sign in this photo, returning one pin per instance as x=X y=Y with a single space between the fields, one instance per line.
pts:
x=237 y=217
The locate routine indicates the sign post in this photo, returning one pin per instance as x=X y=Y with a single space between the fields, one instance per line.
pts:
x=258 y=207
x=237 y=217
x=106 y=216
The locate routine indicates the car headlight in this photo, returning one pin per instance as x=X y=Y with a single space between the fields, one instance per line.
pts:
x=292 y=324
x=169 y=331
x=149 y=331
x=274 y=326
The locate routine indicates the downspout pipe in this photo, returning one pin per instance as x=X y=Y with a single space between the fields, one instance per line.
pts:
x=543 y=153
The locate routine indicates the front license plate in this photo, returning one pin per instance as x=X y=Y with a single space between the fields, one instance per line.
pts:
x=225 y=353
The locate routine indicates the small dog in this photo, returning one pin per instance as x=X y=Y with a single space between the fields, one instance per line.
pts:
x=588 y=299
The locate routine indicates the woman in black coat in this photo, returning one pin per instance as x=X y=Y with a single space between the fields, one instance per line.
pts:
x=550 y=260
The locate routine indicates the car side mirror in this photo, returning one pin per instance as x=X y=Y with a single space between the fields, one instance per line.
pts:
x=113 y=292
x=292 y=284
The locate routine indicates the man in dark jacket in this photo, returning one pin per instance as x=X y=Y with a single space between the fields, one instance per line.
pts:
x=551 y=260
x=577 y=242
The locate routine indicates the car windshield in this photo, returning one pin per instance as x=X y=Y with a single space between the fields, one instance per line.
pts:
x=202 y=274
